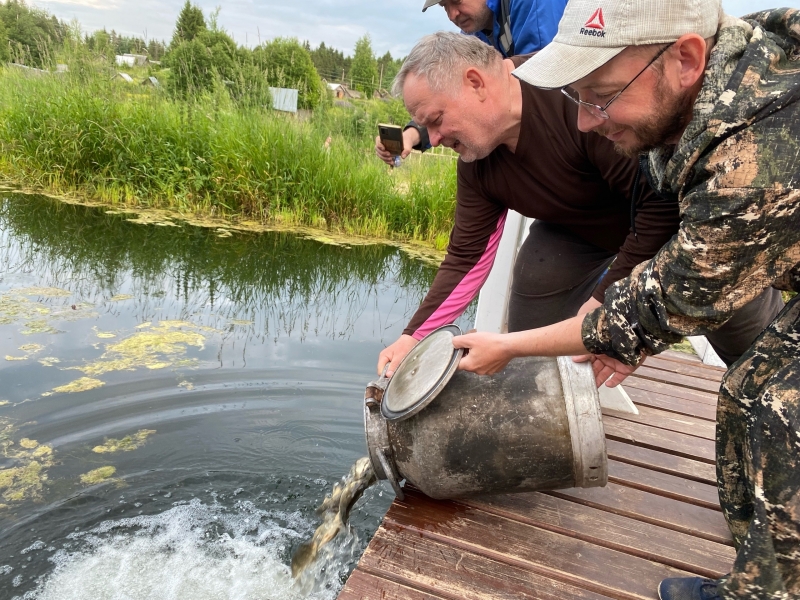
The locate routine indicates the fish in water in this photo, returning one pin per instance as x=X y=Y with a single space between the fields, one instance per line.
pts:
x=334 y=511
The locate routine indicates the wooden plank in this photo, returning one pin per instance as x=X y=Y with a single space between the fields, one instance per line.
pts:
x=566 y=559
x=681 y=406
x=652 y=508
x=658 y=517
x=685 y=357
x=662 y=462
x=430 y=564
x=686 y=381
x=663 y=484
x=662 y=440
x=670 y=421
x=679 y=550
x=648 y=385
x=365 y=586
x=701 y=370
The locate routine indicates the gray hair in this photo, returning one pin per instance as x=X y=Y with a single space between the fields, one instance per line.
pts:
x=442 y=56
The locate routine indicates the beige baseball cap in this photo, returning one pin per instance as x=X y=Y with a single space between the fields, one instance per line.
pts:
x=592 y=32
x=429 y=3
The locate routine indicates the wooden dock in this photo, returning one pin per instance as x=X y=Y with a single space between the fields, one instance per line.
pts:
x=658 y=516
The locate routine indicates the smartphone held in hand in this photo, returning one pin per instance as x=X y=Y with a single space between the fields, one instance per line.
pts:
x=391 y=138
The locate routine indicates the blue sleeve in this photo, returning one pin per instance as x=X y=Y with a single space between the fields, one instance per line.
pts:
x=534 y=23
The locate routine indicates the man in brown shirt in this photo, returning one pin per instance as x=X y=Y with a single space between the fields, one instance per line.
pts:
x=518 y=150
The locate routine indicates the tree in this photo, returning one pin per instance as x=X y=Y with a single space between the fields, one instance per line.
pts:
x=388 y=68
x=32 y=33
x=364 y=70
x=5 y=54
x=331 y=64
x=155 y=49
x=191 y=69
x=189 y=25
x=285 y=63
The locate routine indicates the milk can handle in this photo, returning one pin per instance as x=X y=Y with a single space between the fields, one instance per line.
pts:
x=389 y=471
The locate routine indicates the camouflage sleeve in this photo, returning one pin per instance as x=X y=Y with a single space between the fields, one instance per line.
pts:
x=733 y=243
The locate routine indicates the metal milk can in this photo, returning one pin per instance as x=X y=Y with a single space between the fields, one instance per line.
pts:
x=534 y=426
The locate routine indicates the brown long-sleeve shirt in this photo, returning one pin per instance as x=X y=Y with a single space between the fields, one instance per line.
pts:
x=559 y=175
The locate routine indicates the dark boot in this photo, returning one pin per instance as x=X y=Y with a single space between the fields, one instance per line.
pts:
x=688 y=588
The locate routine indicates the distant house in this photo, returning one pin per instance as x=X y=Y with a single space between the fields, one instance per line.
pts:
x=152 y=81
x=382 y=95
x=131 y=60
x=124 y=77
x=342 y=92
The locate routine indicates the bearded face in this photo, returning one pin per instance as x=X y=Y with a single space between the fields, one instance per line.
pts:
x=671 y=113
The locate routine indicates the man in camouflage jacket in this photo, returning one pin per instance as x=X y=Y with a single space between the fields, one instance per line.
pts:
x=731 y=154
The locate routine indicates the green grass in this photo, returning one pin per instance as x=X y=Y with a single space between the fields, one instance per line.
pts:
x=130 y=145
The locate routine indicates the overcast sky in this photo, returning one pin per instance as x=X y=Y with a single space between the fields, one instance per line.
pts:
x=393 y=24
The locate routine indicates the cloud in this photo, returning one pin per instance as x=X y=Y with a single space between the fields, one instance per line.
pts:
x=95 y=4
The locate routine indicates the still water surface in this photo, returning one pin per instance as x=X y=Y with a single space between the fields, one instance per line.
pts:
x=175 y=401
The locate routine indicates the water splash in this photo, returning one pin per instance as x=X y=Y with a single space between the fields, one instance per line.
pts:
x=335 y=511
x=193 y=550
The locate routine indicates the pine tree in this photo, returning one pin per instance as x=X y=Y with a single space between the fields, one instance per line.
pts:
x=388 y=68
x=189 y=25
x=364 y=70
x=331 y=63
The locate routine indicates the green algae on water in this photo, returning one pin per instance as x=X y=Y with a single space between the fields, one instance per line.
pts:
x=35 y=316
x=45 y=292
x=126 y=444
x=79 y=385
x=154 y=347
x=98 y=475
x=27 y=478
x=29 y=350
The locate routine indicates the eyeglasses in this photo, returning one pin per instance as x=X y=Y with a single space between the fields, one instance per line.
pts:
x=600 y=111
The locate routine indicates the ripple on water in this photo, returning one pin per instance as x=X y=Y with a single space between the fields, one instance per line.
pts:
x=193 y=550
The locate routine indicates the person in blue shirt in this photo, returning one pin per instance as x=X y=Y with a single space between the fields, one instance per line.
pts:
x=513 y=27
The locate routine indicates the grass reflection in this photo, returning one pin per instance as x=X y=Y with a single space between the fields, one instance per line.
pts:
x=296 y=285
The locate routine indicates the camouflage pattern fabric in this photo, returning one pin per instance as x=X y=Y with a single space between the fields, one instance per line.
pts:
x=736 y=171
x=758 y=463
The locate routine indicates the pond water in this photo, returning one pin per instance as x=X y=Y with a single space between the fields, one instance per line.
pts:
x=175 y=401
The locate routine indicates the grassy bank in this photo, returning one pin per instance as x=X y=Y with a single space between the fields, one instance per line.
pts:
x=129 y=145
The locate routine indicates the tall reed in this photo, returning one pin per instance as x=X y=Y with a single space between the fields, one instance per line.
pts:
x=126 y=144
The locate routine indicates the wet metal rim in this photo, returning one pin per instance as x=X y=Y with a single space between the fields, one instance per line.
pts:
x=424 y=372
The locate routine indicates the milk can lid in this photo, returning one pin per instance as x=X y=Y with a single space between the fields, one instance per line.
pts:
x=422 y=375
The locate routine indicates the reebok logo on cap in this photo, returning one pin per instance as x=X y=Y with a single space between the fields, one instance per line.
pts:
x=596 y=25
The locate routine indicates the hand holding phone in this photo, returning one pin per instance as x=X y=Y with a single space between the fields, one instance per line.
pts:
x=392 y=138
